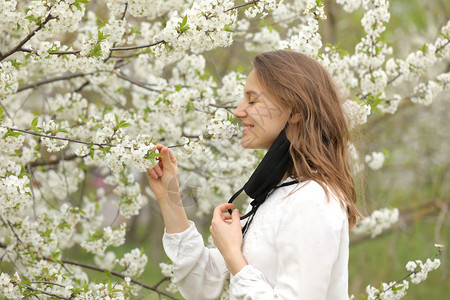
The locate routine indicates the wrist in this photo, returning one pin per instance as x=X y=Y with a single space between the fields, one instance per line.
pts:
x=170 y=197
x=235 y=261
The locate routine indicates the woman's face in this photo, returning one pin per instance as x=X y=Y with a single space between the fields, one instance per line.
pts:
x=262 y=117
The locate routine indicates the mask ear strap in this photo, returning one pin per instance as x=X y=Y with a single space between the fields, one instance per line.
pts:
x=234 y=197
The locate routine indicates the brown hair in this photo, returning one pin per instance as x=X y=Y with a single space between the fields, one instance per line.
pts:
x=319 y=140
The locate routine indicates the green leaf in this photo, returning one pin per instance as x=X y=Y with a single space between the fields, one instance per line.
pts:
x=34 y=122
x=228 y=29
x=11 y=133
x=33 y=19
x=183 y=25
x=101 y=36
x=424 y=48
x=78 y=2
x=184 y=21
x=96 y=50
x=15 y=63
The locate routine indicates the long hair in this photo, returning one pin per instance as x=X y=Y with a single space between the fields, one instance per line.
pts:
x=319 y=140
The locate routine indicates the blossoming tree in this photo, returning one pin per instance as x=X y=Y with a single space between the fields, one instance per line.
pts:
x=92 y=86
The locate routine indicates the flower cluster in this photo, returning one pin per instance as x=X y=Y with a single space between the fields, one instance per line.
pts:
x=305 y=38
x=8 y=79
x=355 y=114
x=397 y=290
x=378 y=221
x=375 y=160
x=133 y=262
x=167 y=270
x=8 y=287
x=221 y=126
x=261 y=7
x=420 y=269
x=98 y=242
x=205 y=26
x=15 y=194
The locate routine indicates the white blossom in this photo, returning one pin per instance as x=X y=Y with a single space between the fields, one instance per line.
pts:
x=355 y=113
x=133 y=263
x=375 y=160
x=378 y=221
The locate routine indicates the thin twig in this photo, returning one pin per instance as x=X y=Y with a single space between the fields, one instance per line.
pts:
x=26 y=39
x=242 y=5
x=137 y=47
x=6 y=111
x=7 y=223
x=60 y=138
x=161 y=281
x=406 y=276
x=400 y=73
x=49 y=282
x=56 y=161
x=50 y=80
x=135 y=82
x=123 y=18
x=73 y=52
x=135 y=281
x=32 y=190
x=44 y=292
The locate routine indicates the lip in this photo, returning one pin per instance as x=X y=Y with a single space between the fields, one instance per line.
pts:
x=247 y=128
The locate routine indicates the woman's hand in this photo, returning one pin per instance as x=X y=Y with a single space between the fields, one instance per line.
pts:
x=163 y=177
x=226 y=231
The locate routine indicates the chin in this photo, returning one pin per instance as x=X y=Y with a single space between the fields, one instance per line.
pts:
x=246 y=143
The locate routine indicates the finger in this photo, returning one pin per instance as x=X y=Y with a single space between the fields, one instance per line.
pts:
x=151 y=173
x=219 y=209
x=158 y=170
x=159 y=147
x=172 y=157
x=235 y=216
x=166 y=159
x=226 y=216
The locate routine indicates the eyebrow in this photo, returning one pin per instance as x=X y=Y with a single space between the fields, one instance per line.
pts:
x=249 y=92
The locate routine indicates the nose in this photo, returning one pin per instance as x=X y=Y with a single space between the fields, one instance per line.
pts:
x=240 y=111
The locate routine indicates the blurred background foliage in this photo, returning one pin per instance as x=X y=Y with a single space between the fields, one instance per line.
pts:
x=415 y=177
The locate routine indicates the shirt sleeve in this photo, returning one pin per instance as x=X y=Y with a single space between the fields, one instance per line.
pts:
x=307 y=244
x=199 y=272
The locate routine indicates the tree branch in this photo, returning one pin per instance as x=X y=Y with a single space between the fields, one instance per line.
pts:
x=400 y=74
x=44 y=292
x=60 y=138
x=49 y=282
x=26 y=39
x=137 y=47
x=55 y=162
x=50 y=80
x=242 y=5
x=117 y=274
x=135 y=82
x=409 y=215
x=5 y=110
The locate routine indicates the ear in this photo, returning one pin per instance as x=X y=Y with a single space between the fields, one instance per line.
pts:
x=295 y=118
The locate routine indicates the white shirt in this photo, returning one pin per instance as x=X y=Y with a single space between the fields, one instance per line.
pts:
x=296 y=248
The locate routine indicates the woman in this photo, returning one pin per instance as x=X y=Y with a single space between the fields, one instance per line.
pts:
x=295 y=241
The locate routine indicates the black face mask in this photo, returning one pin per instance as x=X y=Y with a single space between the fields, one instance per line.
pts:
x=267 y=175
